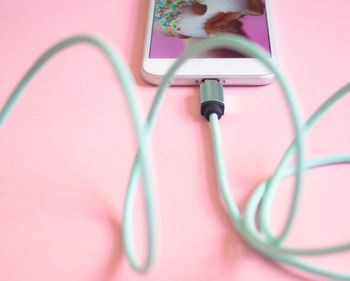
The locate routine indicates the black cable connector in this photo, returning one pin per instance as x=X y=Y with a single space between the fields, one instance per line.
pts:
x=212 y=98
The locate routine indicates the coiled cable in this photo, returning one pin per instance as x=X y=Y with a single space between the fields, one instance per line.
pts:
x=260 y=237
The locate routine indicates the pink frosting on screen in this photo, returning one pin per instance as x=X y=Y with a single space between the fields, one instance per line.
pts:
x=163 y=46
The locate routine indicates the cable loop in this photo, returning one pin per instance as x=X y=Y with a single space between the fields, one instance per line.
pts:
x=264 y=241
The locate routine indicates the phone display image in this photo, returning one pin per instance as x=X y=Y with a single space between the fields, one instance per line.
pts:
x=179 y=23
x=175 y=25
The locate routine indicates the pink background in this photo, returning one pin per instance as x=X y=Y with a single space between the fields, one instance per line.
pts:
x=66 y=151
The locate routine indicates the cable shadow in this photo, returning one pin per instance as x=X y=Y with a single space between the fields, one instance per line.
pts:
x=111 y=271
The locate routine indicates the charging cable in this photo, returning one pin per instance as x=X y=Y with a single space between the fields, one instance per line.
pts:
x=258 y=235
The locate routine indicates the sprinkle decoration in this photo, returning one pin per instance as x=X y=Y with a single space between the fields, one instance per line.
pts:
x=167 y=13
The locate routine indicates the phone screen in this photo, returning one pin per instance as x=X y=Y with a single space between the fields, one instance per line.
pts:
x=179 y=23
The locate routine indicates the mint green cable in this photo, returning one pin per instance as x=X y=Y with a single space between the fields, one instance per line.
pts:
x=262 y=240
x=129 y=87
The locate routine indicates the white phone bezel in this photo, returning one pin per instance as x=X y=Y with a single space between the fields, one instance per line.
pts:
x=230 y=71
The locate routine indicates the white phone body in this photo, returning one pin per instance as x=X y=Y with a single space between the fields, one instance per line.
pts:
x=230 y=71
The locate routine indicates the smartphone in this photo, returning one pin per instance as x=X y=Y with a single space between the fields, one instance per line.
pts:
x=174 y=25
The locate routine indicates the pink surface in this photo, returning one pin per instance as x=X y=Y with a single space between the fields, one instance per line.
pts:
x=65 y=152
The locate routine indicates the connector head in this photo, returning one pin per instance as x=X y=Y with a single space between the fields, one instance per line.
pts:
x=212 y=98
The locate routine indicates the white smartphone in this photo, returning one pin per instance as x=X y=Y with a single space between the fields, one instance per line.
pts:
x=173 y=25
